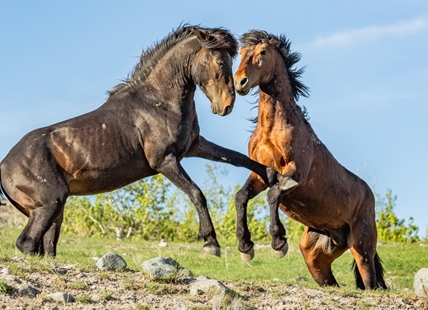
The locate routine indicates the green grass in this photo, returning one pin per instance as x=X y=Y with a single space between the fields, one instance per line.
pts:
x=401 y=261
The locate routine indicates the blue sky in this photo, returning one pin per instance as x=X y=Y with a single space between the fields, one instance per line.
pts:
x=366 y=66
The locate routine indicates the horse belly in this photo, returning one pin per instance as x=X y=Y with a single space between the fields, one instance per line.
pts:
x=98 y=158
x=315 y=212
x=108 y=180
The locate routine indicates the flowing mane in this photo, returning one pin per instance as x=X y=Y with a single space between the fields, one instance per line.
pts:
x=298 y=89
x=255 y=37
x=221 y=39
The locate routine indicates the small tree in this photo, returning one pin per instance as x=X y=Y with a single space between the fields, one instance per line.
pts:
x=389 y=226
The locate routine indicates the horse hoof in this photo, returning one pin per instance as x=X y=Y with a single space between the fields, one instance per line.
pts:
x=246 y=257
x=213 y=250
x=288 y=184
x=281 y=253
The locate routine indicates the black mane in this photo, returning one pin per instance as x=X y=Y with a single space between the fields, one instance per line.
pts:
x=221 y=39
x=255 y=37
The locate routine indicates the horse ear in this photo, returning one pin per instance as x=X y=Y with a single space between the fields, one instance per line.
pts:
x=202 y=36
x=276 y=43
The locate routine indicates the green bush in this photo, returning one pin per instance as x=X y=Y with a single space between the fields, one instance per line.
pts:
x=153 y=208
x=389 y=226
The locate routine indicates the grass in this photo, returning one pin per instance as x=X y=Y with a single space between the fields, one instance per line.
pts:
x=401 y=261
x=5 y=288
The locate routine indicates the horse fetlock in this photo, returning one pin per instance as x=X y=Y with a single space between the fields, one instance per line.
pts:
x=272 y=176
x=278 y=242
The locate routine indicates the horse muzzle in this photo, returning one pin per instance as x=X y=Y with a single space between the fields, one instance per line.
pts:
x=242 y=86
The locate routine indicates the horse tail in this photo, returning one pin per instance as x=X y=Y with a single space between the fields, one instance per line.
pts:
x=2 y=194
x=380 y=281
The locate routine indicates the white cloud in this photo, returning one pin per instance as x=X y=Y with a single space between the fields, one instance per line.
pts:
x=372 y=32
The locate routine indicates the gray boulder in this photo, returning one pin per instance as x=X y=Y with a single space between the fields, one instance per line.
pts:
x=160 y=268
x=421 y=282
x=111 y=261
x=205 y=284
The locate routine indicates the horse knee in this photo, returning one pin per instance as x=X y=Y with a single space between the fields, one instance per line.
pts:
x=241 y=198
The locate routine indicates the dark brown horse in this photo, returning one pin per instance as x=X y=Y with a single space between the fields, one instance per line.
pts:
x=336 y=206
x=146 y=126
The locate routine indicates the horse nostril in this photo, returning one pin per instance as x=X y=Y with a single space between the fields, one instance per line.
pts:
x=227 y=110
x=244 y=81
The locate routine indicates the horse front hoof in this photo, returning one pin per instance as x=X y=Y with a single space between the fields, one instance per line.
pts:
x=288 y=184
x=246 y=257
x=281 y=253
x=213 y=250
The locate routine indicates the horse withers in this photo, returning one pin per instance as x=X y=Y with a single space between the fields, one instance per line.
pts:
x=336 y=206
x=146 y=126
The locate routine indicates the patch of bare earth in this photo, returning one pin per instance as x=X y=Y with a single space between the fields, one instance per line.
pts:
x=132 y=290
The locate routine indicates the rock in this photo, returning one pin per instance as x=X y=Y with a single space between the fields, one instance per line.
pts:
x=111 y=261
x=80 y=275
x=204 y=284
x=228 y=300
x=300 y=279
x=25 y=290
x=160 y=268
x=183 y=273
x=421 y=282
x=11 y=278
x=5 y=271
x=61 y=297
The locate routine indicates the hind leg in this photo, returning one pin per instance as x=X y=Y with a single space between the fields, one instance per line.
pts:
x=33 y=238
x=50 y=239
x=319 y=252
x=363 y=248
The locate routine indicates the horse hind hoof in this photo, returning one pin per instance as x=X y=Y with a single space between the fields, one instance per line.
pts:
x=246 y=257
x=288 y=184
x=281 y=253
x=213 y=250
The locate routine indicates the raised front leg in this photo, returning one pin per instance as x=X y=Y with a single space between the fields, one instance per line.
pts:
x=276 y=228
x=173 y=170
x=211 y=151
x=251 y=188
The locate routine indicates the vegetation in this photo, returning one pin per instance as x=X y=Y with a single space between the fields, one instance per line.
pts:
x=391 y=228
x=401 y=261
x=152 y=209
x=131 y=221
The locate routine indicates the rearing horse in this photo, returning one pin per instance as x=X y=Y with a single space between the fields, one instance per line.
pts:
x=336 y=206
x=146 y=126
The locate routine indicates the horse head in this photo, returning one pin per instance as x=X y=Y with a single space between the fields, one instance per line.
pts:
x=212 y=68
x=257 y=66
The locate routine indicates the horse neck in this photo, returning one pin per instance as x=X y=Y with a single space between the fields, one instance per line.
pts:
x=171 y=76
x=276 y=100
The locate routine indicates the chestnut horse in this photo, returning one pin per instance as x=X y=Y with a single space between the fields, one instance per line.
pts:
x=146 y=126
x=336 y=206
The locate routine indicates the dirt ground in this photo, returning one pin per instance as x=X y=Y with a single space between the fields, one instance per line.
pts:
x=132 y=290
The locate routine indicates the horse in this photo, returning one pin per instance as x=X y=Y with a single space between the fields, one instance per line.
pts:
x=336 y=206
x=147 y=125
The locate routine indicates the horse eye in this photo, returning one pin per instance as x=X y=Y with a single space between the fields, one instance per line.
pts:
x=263 y=52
